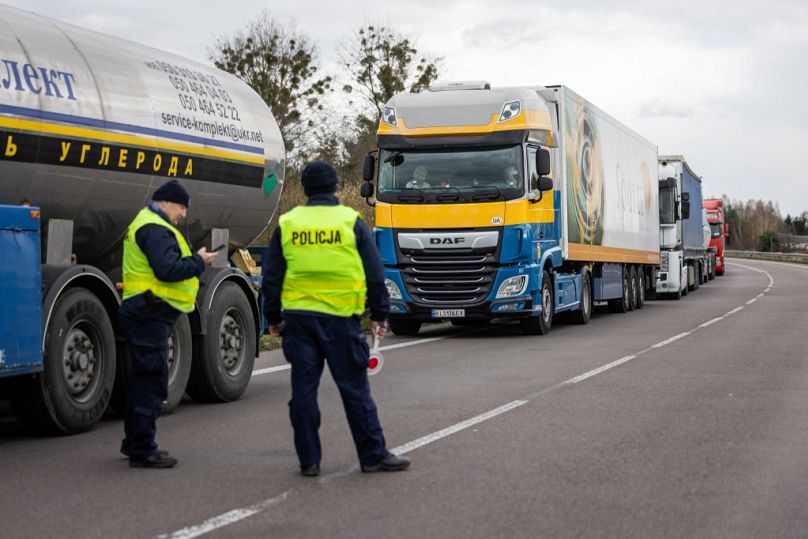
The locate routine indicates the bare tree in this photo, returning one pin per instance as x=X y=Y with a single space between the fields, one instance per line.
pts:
x=381 y=62
x=281 y=66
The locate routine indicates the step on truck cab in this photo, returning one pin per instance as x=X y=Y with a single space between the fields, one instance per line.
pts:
x=516 y=203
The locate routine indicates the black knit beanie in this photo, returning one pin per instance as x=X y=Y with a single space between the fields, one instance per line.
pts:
x=319 y=177
x=172 y=191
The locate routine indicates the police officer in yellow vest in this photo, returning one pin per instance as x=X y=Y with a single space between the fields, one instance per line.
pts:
x=321 y=267
x=159 y=282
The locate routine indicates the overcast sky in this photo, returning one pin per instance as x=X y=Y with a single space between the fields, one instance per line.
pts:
x=724 y=83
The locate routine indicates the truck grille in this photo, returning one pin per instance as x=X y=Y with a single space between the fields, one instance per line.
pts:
x=448 y=278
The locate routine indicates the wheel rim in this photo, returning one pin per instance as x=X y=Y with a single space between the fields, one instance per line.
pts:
x=545 y=303
x=232 y=336
x=82 y=363
x=642 y=289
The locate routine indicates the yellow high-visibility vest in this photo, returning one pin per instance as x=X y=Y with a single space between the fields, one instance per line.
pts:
x=324 y=271
x=138 y=276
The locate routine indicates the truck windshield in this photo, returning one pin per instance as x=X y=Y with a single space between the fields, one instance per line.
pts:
x=451 y=175
x=715 y=230
x=667 y=203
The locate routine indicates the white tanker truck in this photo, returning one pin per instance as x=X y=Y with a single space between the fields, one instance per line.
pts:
x=90 y=126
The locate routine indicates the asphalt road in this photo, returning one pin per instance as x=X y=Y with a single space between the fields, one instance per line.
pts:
x=685 y=419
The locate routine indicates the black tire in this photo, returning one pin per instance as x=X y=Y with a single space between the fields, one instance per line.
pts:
x=74 y=389
x=540 y=325
x=641 y=287
x=223 y=358
x=584 y=314
x=180 y=346
x=634 y=295
x=711 y=274
x=697 y=279
x=405 y=326
x=622 y=305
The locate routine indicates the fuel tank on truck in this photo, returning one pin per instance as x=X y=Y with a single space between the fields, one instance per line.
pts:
x=91 y=125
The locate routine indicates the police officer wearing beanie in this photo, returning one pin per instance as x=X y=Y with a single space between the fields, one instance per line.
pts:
x=321 y=267
x=159 y=283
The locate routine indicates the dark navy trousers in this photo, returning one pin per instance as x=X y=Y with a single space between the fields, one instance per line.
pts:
x=146 y=327
x=308 y=342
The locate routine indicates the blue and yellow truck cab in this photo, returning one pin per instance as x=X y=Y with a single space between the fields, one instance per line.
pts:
x=492 y=203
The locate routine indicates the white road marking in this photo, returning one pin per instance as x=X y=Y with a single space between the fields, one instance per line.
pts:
x=457 y=427
x=270 y=370
x=236 y=515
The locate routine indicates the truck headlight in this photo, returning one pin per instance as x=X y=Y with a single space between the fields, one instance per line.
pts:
x=392 y=289
x=513 y=286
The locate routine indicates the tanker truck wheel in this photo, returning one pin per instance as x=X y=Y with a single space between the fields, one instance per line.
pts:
x=224 y=357
x=405 y=326
x=180 y=356
x=74 y=389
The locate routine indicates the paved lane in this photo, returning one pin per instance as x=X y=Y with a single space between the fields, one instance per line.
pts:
x=701 y=436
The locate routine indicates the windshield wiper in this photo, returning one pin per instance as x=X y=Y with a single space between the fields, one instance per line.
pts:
x=394 y=154
x=450 y=197
x=409 y=195
x=496 y=194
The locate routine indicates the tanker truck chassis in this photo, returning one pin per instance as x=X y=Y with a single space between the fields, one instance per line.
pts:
x=90 y=126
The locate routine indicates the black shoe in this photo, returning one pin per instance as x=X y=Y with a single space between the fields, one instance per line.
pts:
x=391 y=463
x=160 y=459
x=312 y=470
x=125 y=452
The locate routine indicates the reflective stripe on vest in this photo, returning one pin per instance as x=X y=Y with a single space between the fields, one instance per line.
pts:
x=324 y=271
x=138 y=276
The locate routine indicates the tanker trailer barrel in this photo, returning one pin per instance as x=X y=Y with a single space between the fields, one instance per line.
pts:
x=90 y=126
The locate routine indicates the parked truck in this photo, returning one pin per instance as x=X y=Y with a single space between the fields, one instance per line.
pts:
x=681 y=236
x=90 y=126
x=516 y=203
x=719 y=231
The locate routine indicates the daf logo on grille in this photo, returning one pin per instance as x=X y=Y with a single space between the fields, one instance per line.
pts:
x=447 y=241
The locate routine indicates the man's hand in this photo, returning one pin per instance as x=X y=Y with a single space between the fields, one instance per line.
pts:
x=207 y=256
x=276 y=329
x=378 y=329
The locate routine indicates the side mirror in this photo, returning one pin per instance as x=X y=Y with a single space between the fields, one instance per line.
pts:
x=366 y=190
x=368 y=167
x=685 y=206
x=685 y=197
x=543 y=164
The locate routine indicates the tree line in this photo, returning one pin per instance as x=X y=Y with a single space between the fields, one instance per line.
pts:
x=376 y=62
x=758 y=225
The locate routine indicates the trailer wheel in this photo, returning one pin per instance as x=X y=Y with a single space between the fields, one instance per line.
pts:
x=224 y=357
x=405 y=326
x=540 y=325
x=632 y=288
x=180 y=356
x=584 y=314
x=640 y=287
x=622 y=305
x=697 y=277
x=711 y=273
x=74 y=389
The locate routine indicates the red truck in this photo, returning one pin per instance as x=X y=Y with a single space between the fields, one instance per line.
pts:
x=718 y=229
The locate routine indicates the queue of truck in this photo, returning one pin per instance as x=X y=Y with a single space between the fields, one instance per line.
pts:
x=491 y=203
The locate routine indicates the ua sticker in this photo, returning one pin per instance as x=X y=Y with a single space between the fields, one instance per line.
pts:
x=496 y=220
